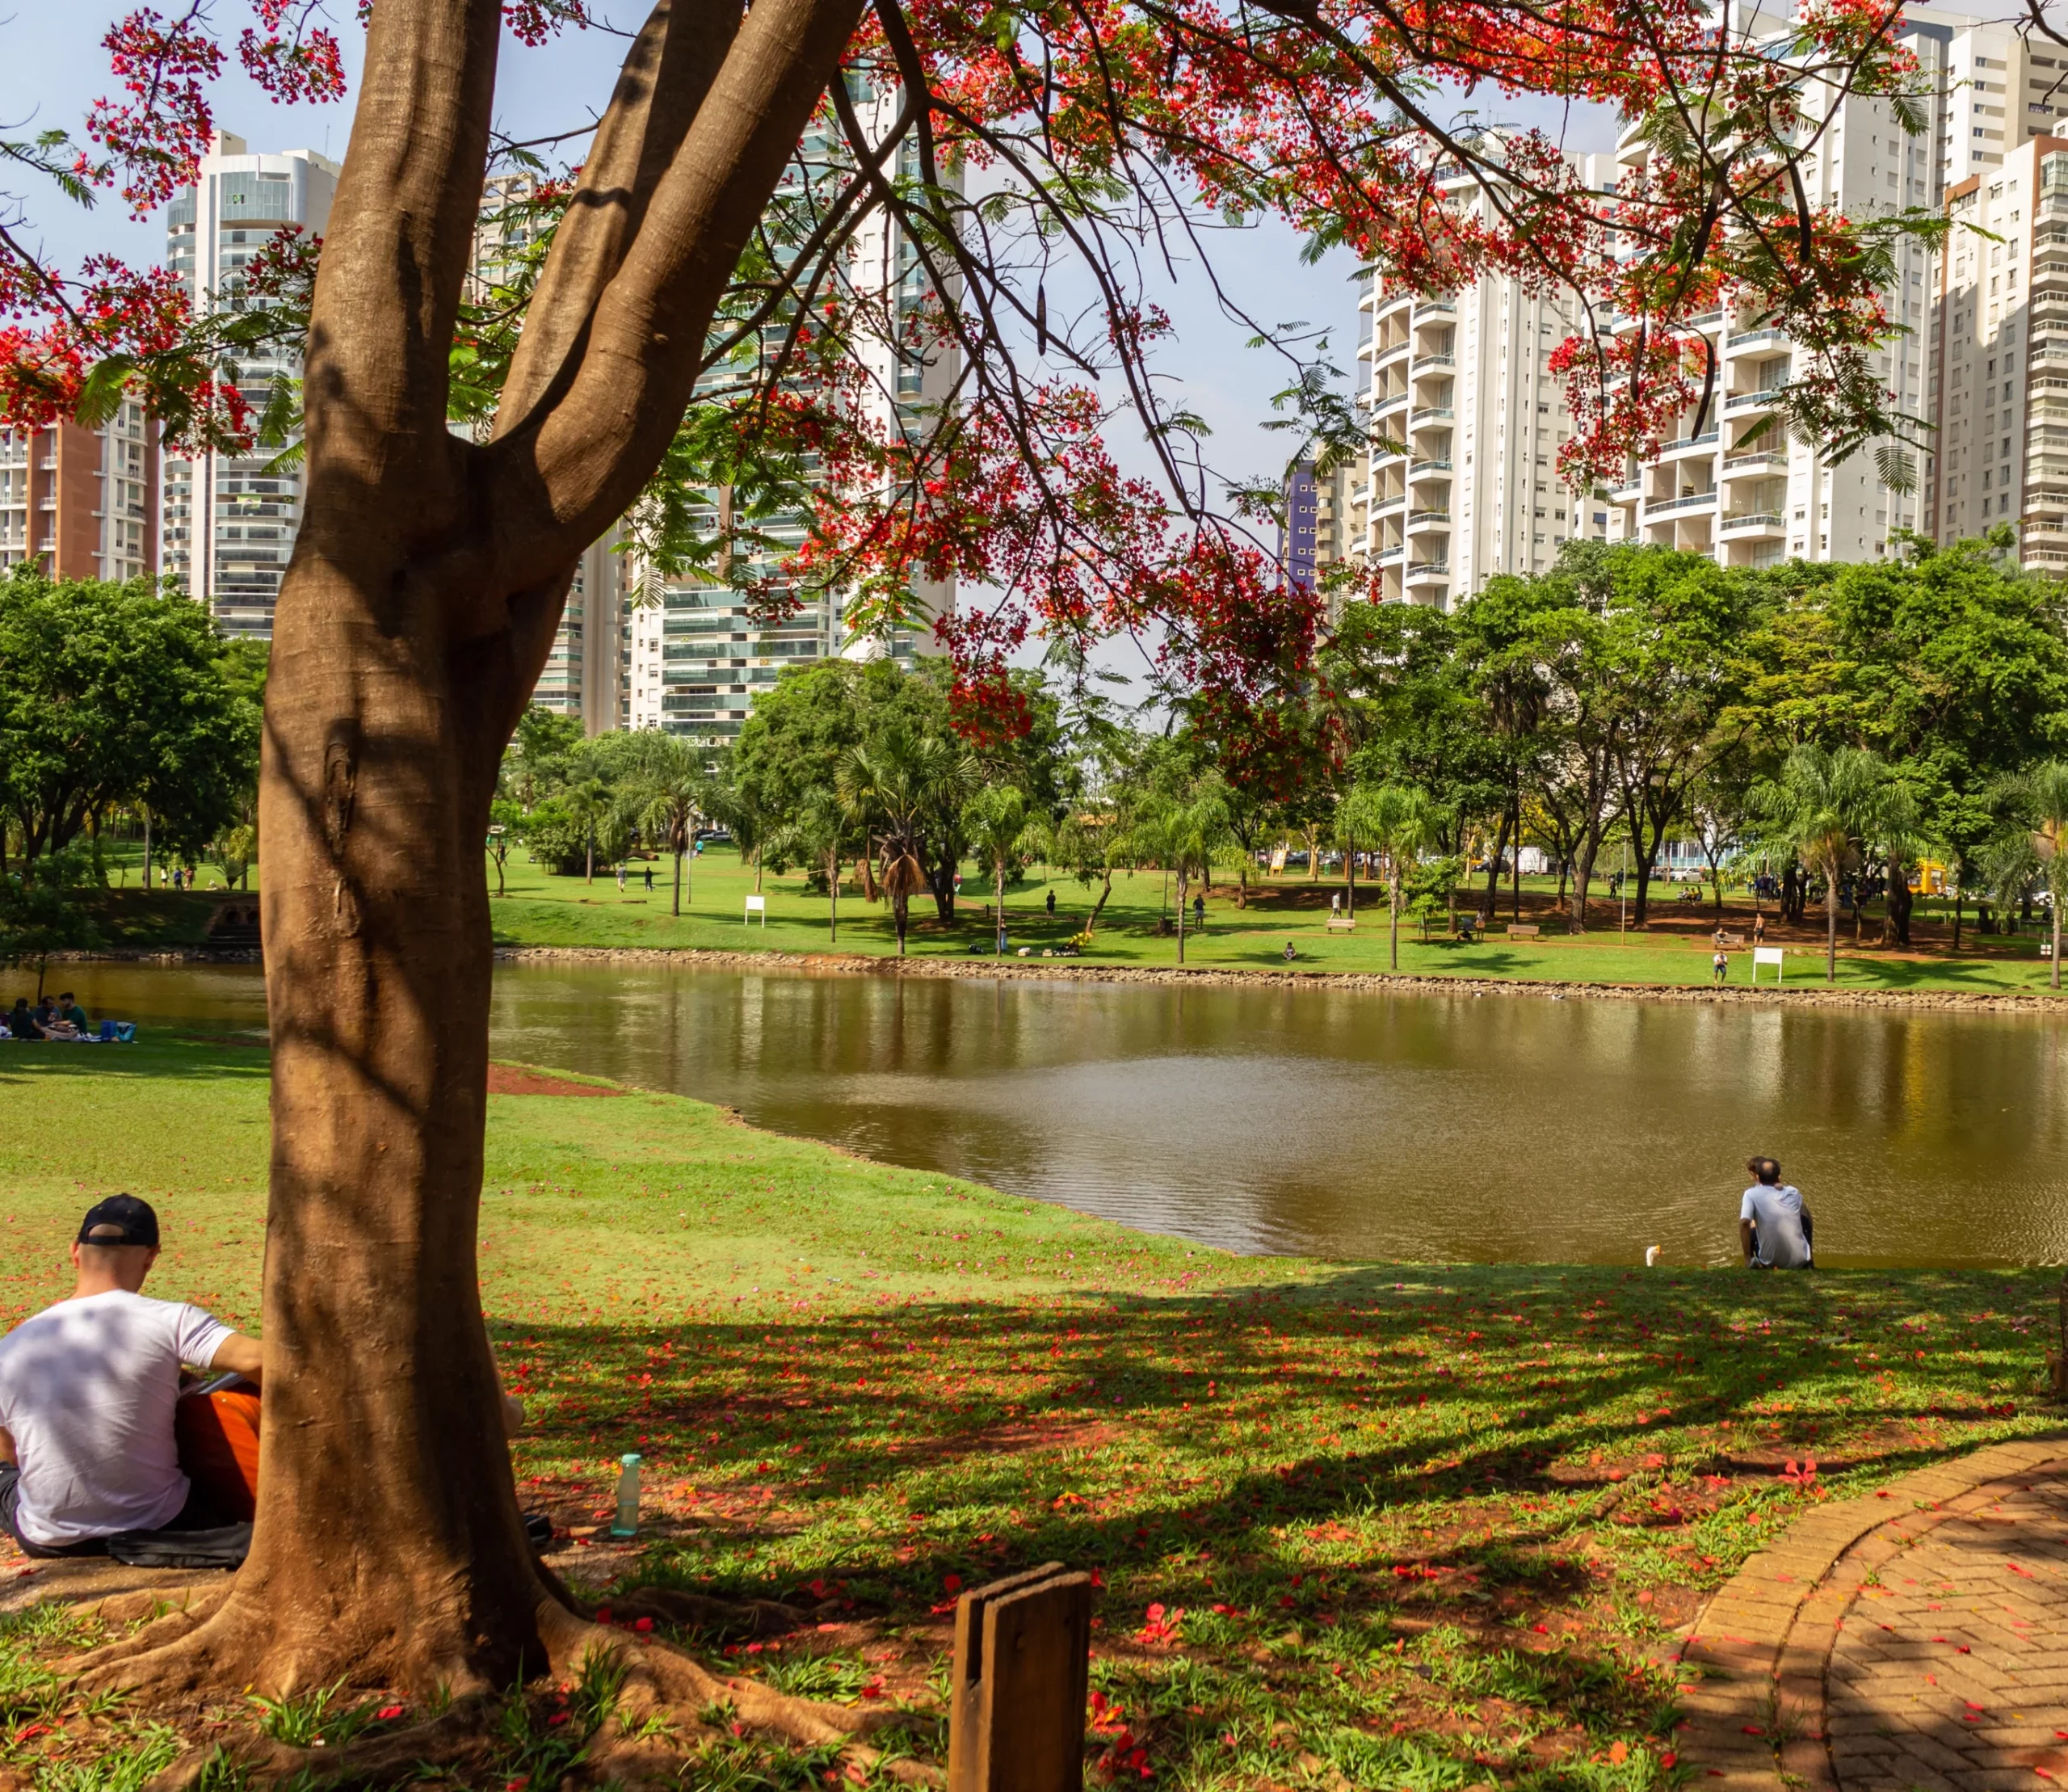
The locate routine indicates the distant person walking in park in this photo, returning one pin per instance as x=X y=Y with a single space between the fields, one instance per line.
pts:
x=620 y=880
x=1198 y=913
x=649 y=880
x=1774 y=1228
x=1052 y=905
x=1760 y=929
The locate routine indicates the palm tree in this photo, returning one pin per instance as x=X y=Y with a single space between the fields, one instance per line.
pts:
x=1181 y=829
x=815 y=834
x=1826 y=804
x=2033 y=848
x=668 y=796
x=1398 y=821
x=890 y=785
x=996 y=819
x=1358 y=821
x=590 y=801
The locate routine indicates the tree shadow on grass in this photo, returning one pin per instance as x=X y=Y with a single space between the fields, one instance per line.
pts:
x=1493 y=1409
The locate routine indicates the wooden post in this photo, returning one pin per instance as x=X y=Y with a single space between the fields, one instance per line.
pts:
x=1023 y=1664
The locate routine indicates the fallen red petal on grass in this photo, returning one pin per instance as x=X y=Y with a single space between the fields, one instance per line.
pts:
x=388 y=1713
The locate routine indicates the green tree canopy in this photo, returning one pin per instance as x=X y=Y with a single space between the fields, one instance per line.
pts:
x=114 y=694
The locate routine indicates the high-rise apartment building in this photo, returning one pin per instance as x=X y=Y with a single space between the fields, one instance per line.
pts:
x=230 y=519
x=1729 y=480
x=1323 y=521
x=1467 y=420
x=695 y=657
x=1999 y=356
x=81 y=503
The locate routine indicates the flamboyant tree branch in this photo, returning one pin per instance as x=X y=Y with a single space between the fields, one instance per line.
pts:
x=558 y=480
x=667 y=74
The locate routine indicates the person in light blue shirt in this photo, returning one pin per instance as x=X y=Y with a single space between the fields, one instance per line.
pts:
x=1774 y=1227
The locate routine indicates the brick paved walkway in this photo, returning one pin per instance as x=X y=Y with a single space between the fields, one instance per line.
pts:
x=1915 y=1640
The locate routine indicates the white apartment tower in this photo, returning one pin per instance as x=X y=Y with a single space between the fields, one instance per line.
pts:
x=1731 y=481
x=229 y=521
x=695 y=659
x=1456 y=383
x=1999 y=353
x=1467 y=420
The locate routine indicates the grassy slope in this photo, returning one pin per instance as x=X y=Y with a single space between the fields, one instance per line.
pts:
x=1428 y=1526
x=541 y=910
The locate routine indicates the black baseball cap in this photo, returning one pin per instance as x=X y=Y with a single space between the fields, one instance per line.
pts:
x=121 y=1219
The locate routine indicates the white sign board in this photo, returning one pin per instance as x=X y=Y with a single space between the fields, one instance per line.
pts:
x=757 y=904
x=1767 y=955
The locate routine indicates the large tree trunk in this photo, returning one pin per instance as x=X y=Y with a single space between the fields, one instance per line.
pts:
x=1589 y=847
x=1895 y=921
x=1098 y=907
x=1830 y=926
x=1491 y=901
x=426 y=582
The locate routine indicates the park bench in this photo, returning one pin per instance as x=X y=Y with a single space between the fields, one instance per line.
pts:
x=1343 y=923
x=1731 y=940
x=1524 y=930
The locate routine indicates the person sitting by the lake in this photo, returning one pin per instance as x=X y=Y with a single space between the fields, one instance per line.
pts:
x=96 y=1438
x=1774 y=1227
x=21 y=1023
x=1289 y=954
x=89 y=1389
x=69 y=1010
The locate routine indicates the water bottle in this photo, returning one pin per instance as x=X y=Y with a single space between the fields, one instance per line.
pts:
x=628 y=1497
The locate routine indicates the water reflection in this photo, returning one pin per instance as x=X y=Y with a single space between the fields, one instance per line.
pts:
x=1348 y=1125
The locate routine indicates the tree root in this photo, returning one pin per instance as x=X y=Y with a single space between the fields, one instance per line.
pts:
x=698 y=1611
x=459 y=1739
x=168 y=1627
x=661 y=1687
x=663 y=1702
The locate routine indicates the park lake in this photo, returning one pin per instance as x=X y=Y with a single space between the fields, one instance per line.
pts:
x=1330 y=1123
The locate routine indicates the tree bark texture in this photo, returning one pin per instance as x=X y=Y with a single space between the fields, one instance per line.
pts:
x=426 y=582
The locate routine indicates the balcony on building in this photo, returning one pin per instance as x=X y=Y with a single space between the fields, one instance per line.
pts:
x=1704 y=444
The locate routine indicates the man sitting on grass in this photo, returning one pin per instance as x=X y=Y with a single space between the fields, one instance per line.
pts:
x=87 y=1392
x=1774 y=1227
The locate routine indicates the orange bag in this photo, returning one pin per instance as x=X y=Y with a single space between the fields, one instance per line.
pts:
x=217 y=1435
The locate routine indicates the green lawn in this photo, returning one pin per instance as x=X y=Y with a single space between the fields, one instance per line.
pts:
x=1425 y=1527
x=543 y=909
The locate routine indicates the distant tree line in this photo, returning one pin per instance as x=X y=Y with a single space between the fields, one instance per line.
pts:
x=124 y=712
x=1825 y=729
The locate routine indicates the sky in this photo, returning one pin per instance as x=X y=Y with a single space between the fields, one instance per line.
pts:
x=52 y=68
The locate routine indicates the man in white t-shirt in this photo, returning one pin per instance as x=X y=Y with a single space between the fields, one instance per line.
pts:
x=1774 y=1227
x=87 y=1388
